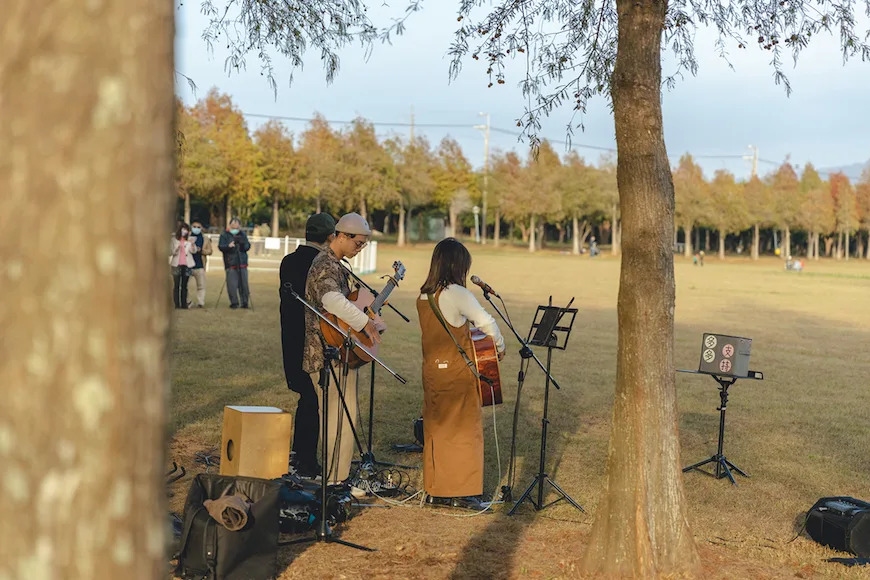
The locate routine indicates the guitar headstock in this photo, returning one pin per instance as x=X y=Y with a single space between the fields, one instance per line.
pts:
x=399 y=271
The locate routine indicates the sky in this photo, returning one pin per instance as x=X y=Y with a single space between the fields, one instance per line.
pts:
x=720 y=112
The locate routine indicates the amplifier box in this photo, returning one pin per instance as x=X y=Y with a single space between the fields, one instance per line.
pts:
x=842 y=523
x=255 y=441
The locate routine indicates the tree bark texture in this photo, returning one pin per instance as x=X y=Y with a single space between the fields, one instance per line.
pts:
x=87 y=135
x=187 y=208
x=641 y=529
x=496 y=232
x=532 y=245
x=400 y=241
x=721 y=244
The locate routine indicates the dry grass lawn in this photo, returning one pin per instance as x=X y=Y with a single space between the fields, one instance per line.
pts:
x=801 y=434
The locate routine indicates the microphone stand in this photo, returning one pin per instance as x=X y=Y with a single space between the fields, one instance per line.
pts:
x=324 y=532
x=367 y=459
x=526 y=353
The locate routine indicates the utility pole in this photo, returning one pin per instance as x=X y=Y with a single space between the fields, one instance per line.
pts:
x=485 y=129
x=753 y=158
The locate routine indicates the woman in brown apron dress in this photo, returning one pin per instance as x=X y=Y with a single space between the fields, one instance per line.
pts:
x=452 y=418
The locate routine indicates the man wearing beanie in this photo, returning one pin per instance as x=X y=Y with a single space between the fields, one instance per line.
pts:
x=319 y=232
x=327 y=288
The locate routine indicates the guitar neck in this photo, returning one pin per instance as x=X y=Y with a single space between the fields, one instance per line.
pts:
x=382 y=297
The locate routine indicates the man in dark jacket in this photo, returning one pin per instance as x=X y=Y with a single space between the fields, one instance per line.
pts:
x=234 y=245
x=319 y=232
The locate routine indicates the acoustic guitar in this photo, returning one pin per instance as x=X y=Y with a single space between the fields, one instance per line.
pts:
x=486 y=359
x=363 y=299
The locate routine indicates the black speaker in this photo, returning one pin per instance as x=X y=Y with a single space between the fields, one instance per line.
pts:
x=842 y=523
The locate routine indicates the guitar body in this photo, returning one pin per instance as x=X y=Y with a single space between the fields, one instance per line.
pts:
x=362 y=299
x=486 y=359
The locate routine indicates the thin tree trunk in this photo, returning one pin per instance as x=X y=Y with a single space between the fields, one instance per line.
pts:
x=386 y=229
x=755 y=241
x=687 y=247
x=496 y=232
x=641 y=529
x=317 y=208
x=707 y=239
x=786 y=243
x=186 y=207
x=229 y=213
x=829 y=243
x=363 y=207
x=575 y=235
x=524 y=232
x=846 y=246
x=560 y=227
x=84 y=313
x=810 y=236
x=721 y=244
x=840 y=244
x=401 y=239
x=532 y=245
x=275 y=214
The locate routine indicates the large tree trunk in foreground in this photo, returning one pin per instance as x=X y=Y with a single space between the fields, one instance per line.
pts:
x=87 y=138
x=641 y=529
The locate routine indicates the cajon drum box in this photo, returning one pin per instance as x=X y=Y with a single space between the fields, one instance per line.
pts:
x=255 y=441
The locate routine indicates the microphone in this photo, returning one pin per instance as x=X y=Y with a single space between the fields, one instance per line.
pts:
x=487 y=289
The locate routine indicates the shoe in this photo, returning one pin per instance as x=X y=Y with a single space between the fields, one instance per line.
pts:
x=200 y=305
x=308 y=471
x=357 y=493
x=469 y=503
x=244 y=305
x=433 y=500
x=234 y=306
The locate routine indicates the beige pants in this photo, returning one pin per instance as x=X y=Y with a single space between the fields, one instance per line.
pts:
x=199 y=275
x=339 y=429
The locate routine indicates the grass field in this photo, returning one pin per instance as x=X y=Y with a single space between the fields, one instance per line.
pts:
x=801 y=434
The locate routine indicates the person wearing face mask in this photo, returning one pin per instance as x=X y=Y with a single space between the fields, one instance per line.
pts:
x=235 y=245
x=181 y=261
x=201 y=249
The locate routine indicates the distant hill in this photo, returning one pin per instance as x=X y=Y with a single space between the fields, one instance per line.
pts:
x=853 y=171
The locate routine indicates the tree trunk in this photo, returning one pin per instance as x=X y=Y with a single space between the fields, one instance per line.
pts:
x=317 y=207
x=532 y=245
x=786 y=244
x=386 y=229
x=363 y=207
x=641 y=529
x=575 y=235
x=229 y=212
x=400 y=241
x=687 y=236
x=721 y=244
x=496 y=232
x=540 y=234
x=755 y=241
x=275 y=214
x=839 y=244
x=524 y=232
x=617 y=237
x=707 y=239
x=187 y=208
x=88 y=148
x=846 y=246
x=829 y=242
x=451 y=215
x=810 y=237
x=560 y=227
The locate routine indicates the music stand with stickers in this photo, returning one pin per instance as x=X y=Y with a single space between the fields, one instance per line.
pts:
x=726 y=359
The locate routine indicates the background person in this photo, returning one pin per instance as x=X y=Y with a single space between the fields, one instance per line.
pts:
x=180 y=260
x=201 y=249
x=235 y=245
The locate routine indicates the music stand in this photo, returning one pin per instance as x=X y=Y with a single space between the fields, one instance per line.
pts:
x=547 y=327
x=726 y=359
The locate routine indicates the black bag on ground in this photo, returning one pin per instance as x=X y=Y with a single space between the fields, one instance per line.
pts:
x=209 y=550
x=841 y=522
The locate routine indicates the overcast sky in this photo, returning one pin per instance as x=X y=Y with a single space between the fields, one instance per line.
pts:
x=720 y=112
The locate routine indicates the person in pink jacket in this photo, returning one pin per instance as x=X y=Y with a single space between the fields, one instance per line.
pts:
x=181 y=260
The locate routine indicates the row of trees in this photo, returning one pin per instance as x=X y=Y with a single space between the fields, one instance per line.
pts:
x=538 y=198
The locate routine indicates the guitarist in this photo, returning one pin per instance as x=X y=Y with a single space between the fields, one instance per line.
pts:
x=452 y=417
x=327 y=288
x=319 y=232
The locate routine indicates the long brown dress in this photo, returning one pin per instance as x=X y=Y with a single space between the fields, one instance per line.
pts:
x=452 y=417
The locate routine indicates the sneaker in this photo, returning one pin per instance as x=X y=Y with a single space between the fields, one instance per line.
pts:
x=433 y=500
x=469 y=503
x=357 y=493
x=234 y=306
x=308 y=471
x=200 y=305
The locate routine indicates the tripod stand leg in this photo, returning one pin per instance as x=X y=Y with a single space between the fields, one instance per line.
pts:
x=527 y=496
x=699 y=464
x=735 y=468
x=567 y=497
x=722 y=464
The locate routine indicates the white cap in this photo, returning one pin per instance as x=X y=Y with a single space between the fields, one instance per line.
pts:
x=353 y=223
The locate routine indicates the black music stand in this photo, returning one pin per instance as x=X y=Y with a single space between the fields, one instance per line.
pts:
x=547 y=327
x=726 y=359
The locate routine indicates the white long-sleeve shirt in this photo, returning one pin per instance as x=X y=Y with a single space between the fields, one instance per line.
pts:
x=335 y=303
x=458 y=306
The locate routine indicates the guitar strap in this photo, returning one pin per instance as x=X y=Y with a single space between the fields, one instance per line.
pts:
x=471 y=365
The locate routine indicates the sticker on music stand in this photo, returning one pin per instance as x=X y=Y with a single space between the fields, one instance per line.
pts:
x=725 y=365
x=710 y=341
x=709 y=355
x=728 y=350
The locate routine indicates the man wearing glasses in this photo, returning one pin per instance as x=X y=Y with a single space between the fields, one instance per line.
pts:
x=327 y=288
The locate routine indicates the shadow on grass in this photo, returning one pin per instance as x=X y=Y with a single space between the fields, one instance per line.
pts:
x=491 y=552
